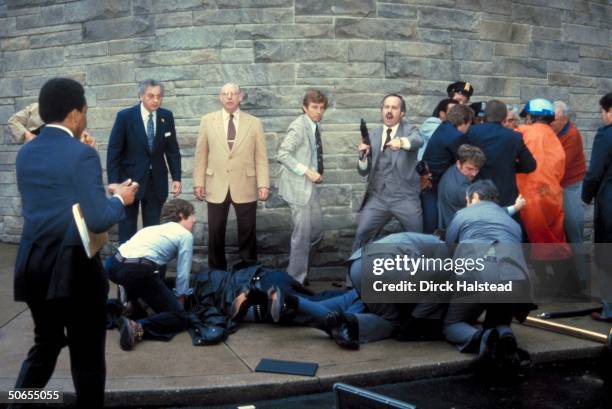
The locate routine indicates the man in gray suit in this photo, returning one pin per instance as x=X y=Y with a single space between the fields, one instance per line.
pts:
x=301 y=154
x=393 y=183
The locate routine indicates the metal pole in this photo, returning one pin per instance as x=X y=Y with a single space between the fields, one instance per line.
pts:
x=568 y=330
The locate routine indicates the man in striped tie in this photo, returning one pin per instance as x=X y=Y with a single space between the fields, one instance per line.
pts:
x=231 y=167
x=142 y=141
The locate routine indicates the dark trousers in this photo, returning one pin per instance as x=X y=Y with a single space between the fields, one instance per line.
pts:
x=429 y=203
x=79 y=323
x=143 y=280
x=151 y=212
x=217 y=222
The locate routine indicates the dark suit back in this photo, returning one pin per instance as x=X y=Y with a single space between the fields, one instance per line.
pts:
x=55 y=171
x=129 y=155
x=439 y=153
x=506 y=155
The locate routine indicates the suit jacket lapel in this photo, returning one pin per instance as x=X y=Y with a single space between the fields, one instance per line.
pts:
x=220 y=131
x=309 y=134
x=376 y=142
x=159 y=129
x=243 y=127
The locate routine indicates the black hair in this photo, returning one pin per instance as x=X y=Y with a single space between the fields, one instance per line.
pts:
x=543 y=119
x=58 y=97
x=486 y=190
x=443 y=106
x=403 y=103
x=606 y=102
x=495 y=111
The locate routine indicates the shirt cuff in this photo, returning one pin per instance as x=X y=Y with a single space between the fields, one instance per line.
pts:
x=300 y=169
x=187 y=292
x=511 y=210
x=363 y=164
x=405 y=143
x=118 y=196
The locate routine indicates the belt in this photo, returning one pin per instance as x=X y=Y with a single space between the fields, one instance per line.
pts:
x=139 y=261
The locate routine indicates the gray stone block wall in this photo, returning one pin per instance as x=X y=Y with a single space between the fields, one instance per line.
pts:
x=355 y=50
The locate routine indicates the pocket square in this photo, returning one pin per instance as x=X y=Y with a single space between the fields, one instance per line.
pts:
x=167 y=134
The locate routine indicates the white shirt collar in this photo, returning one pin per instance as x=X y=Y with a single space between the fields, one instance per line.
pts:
x=226 y=115
x=393 y=130
x=145 y=114
x=62 y=127
x=312 y=123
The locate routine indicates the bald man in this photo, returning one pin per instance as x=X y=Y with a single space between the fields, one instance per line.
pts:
x=231 y=168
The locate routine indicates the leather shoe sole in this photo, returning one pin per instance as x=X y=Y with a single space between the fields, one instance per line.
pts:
x=126 y=334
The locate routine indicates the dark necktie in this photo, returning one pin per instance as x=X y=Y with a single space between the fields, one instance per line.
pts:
x=231 y=132
x=319 y=150
x=388 y=139
x=150 y=131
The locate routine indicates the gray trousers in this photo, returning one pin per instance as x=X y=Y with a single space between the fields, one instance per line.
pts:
x=307 y=235
x=377 y=211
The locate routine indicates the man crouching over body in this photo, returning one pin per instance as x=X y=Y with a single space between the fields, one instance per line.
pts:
x=485 y=230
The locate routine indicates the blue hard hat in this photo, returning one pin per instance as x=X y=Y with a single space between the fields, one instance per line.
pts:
x=538 y=107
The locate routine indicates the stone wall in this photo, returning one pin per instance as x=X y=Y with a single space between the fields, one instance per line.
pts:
x=355 y=50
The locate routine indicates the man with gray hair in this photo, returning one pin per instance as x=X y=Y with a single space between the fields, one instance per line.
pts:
x=575 y=169
x=230 y=167
x=142 y=141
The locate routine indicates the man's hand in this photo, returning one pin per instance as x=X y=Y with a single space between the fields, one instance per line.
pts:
x=313 y=176
x=28 y=136
x=177 y=188
x=199 y=192
x=364 y=148
x=394 y=144
x=263 y=193
x=112 y=188
x=520 y=203
x=127 y=190
x=87 y=139
x=181 y=300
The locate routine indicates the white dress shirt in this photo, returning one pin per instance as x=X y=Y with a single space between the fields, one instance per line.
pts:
x=145 y=118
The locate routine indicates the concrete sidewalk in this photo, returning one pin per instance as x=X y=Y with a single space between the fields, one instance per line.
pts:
x=177 y=373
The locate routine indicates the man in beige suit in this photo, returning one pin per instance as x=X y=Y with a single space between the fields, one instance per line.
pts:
x=231 y=167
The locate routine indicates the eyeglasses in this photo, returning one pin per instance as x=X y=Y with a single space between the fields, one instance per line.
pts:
x=230 y=94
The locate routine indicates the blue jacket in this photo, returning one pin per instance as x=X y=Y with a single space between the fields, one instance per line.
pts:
x=129 y=155
x=506 y=155
x=439 y=153
x=55 y=171
x=598 y=184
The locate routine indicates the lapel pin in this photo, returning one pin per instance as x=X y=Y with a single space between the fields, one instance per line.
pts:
x=162 y=120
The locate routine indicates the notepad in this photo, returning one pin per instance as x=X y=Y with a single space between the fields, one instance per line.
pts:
x=92 y=242
x=287 y=367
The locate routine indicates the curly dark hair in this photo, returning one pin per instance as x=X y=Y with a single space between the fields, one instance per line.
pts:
x=176 y=210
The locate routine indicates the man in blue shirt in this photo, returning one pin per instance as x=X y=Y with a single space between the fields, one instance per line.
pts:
x=139 y=263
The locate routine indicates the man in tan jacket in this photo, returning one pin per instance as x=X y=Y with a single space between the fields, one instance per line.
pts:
x=231 y=167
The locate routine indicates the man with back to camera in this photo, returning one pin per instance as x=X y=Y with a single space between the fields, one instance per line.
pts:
x=301 y=154
x=142 y=141
x=231 y=168
x=393 y=184
x=65 y=290
x=439 y=156
x=432 y=123
x=504 y=149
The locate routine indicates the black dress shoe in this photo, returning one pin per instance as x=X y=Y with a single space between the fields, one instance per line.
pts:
x=129 y=333
x=344 y=329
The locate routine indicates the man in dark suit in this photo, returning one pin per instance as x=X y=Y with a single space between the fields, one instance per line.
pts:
x=143 y=139
x=504 y=149
x=598 y=185
x=393 y=184
x=65 y=290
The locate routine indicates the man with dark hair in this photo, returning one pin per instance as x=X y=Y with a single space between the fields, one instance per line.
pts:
x=431 y=124
x=484 y=230
x=393 y=184
x=142 y=141
x=598 y=185
x=439 y=156
x=460 y=91
x=65 y=290
x=139 y=266
x=504 y=149
x=301 y=154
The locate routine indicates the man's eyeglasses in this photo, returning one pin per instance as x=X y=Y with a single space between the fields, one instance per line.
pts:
x=230 y=94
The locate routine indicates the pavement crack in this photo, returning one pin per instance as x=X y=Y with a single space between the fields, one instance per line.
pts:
x=11 y=319
x=239 y=357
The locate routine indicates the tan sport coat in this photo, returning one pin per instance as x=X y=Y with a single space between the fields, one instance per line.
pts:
x=242 y=170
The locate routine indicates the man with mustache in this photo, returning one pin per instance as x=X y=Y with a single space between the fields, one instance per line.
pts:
x=393 y=184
